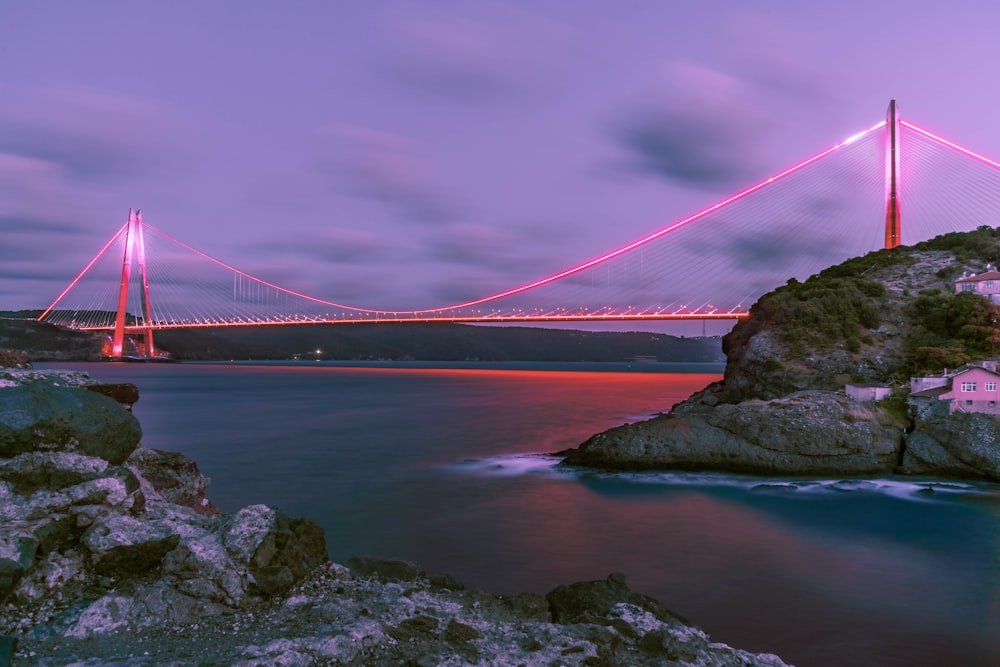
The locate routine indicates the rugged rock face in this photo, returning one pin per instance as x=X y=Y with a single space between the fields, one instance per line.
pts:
x=805 y=433
x=961 y=445
x=98 y=533
x=110 y=560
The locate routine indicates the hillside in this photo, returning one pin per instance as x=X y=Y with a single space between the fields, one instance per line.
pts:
x=425 y=342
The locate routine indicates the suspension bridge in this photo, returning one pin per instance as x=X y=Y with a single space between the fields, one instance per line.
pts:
x=709 y=265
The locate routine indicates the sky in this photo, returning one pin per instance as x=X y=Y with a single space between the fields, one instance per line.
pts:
x=417 y=154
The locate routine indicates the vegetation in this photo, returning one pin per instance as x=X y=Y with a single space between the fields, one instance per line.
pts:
x=949 y=330
x=831 y=308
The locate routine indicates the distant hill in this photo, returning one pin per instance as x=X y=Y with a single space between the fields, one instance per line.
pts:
x=425 y=342
x=433 y=342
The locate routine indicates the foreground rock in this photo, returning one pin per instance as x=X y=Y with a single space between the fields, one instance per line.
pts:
x=805 y=433
x=111 y=554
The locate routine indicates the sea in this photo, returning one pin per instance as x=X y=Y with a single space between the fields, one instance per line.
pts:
x=451 y=466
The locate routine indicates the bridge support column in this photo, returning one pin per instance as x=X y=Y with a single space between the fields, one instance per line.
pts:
x=892 y=223
x=148 y=348
x=133 y=235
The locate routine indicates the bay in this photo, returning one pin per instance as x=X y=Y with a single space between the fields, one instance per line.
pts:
x=444 y=465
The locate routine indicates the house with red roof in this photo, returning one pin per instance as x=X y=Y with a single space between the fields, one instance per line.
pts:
x=971 y=388
x=985 y=284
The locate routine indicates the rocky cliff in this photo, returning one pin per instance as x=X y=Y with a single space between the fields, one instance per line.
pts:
x=780 y=408
x=110 y=553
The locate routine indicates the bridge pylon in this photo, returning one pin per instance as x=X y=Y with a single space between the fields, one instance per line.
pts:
x=133 y=238
x=892 y=223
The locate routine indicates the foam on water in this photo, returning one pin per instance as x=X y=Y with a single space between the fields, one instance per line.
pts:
x=917 y=490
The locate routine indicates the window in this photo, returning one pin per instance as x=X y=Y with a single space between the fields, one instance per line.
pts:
x=968 y=386
x=991 y=386
x=969 y=403
x=968 y=287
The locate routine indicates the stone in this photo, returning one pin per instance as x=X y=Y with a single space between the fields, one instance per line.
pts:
x=46 y=418
x=125 y=393
x=123 y=545
x=172 y=478
x=32 y=471
x=593 y=601
x=805 y=433
x=17 y=555
x=14 y=359
x=960 y=445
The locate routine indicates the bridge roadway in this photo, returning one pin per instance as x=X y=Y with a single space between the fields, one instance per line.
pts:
x=455 y=319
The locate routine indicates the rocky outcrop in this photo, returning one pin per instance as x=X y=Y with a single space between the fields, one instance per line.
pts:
x=962 y=445
x=106 y=560
x=780 y=408
x=805 y=433
x=97 y=532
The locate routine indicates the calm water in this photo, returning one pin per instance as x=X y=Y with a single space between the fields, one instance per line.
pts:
x=439 y=466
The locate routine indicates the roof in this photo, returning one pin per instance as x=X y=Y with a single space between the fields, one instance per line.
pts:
x=968 y=368
x=988 y=275
x=863 y=385
x=931 y=393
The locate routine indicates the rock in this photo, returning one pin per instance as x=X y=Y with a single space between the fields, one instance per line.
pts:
x=961 y=445
x=14 y=359
x=17 y=554
x=124 y=546
x=45 y=418
x=593 y=601
x=173 y=478
x=125 y=393
x=805 y=433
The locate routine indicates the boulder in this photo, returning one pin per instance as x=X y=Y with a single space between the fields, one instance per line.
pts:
x=593 y=601
x=961 y=445
x=47 y=418
x=17 y=555
x=122 y=546
x=805 y=433
x=172 y=478
x=14 y=359
x=125 y=393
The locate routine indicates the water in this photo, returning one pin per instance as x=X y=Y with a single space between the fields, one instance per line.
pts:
x=442 y=465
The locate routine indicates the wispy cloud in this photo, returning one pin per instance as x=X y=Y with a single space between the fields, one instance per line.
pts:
x=486 y=52
x=385 y=168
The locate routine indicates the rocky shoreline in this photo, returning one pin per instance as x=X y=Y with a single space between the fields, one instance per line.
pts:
x=781 y=408
x=110 y=553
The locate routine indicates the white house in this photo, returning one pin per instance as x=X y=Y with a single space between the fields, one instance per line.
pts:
x=867 y=392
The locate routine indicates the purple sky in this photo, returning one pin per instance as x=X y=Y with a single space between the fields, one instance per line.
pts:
x=414 y=154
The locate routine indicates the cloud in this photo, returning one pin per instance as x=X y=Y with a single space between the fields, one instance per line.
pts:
x=385 y=168
x=701 y=128
x=498 y=52
x=93 y=135
x=343 y=246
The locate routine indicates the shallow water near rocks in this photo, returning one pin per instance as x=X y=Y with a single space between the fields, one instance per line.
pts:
x=443 y=465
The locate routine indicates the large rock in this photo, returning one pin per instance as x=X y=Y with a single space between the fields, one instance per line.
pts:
x=805 y=433
x=121 y=545
x=593 y=601
x=172 y=478
x=962 y=445
x=46 y=418
x=14 y=358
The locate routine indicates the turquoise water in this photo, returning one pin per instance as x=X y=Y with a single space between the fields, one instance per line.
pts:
x=444 y=465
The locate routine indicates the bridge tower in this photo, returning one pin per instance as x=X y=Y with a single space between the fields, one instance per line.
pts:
x=133 y=237
x=892 y=225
